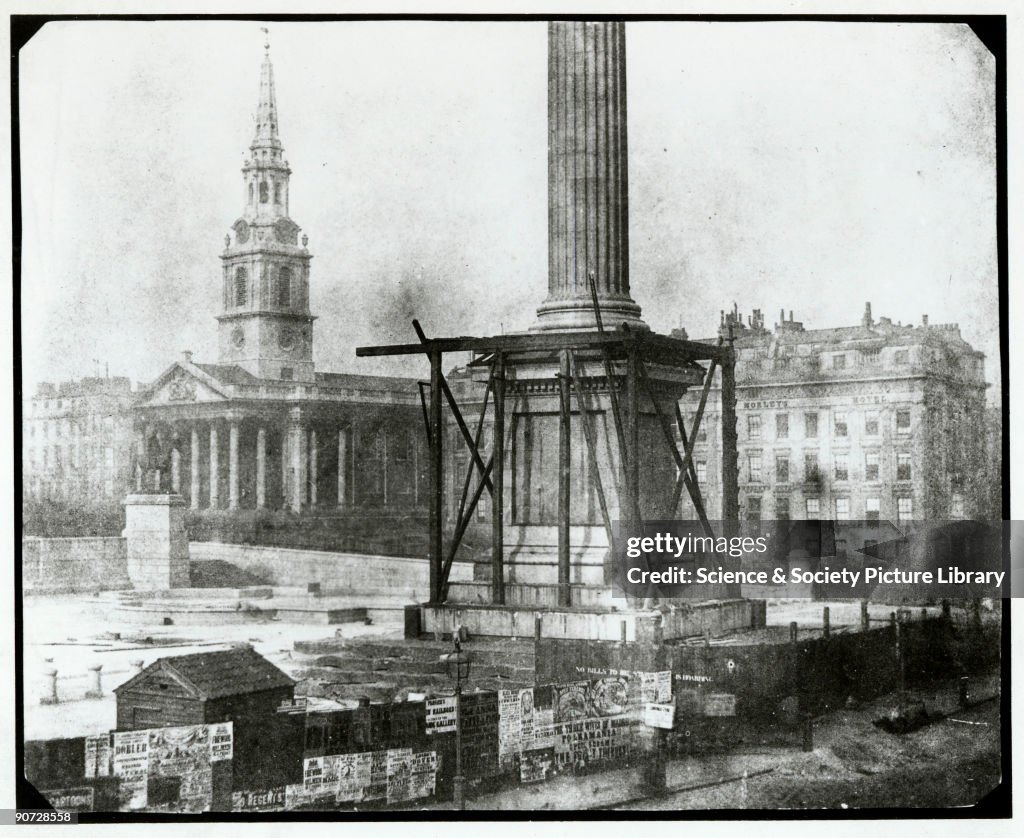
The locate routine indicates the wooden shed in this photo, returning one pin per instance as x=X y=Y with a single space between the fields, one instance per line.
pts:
x=238 y=685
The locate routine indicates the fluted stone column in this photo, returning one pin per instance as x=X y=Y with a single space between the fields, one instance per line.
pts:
x=194 y=476
x=588 y=232
x=297 y=449
x=175 y=471
x=233 y=464
x=214 y=469
x=312 y=468
x=342 y=464
x=261 y=468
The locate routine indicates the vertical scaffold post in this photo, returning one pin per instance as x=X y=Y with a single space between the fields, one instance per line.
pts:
x=498 y=474
x=436 y=510
x=730 y=461
x=564 y=476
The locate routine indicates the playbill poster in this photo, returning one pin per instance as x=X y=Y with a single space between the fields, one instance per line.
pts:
x=420 y=411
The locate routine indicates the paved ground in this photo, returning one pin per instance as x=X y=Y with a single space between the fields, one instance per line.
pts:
x=72 y=633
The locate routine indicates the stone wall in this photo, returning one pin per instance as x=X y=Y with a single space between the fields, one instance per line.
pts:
x=344 y=572
x=67 y=565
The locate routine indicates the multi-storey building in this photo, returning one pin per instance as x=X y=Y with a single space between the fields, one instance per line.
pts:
x=77 y=441
x=877 y=420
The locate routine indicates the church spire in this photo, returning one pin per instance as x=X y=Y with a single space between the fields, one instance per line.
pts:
x=266 y=113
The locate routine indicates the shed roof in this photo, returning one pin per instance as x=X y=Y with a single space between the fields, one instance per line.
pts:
x=217 y=674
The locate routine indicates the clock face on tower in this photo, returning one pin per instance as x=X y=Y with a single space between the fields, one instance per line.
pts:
x=286 y=339
x=238 y=337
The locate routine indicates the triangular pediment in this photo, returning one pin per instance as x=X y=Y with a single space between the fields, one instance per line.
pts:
x=180 y=385
x=161 y=678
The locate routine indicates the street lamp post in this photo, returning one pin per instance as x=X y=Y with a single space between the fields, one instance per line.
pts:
x=457 y=663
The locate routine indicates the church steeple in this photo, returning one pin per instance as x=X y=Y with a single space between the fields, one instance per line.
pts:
x=265 y=325
x=266 y=113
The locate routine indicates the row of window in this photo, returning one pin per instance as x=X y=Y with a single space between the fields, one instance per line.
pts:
x=840 y=424
x=282 y=292
x=840 y=467
x=65 y=427
x=841 y=508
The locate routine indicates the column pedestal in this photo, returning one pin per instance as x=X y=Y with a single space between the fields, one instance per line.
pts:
x=156 y=541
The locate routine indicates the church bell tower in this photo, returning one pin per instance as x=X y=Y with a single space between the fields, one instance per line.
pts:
x=265 y=326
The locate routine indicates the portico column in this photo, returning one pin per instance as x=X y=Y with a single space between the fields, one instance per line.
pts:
x=233 y=463
x=298 y=460
x=342 y=464
x=312 y=468
x=261 y=468
x=214 y=468
x=194 y=489
x=285 y=459
x=175 y=471
x=140 y=457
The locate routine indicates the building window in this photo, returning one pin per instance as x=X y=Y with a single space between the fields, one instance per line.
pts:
x=702 y=434
x=871 y=509
x=782 y=425
x=702 y=471
x=277 y=193
x=287 y=374
x=284 y=286
x=871 y=423
x=903 y=466
x=754 y=466
x=956 y=506
x=901 y=356
x=839 y=362
x=264 y=192
x=842 y=467
x=903 y=421
x=813 y=507
x=811 y=425
x=840 y=423
x=811 y=472
x=782 y=363
x=871 y=465
x=782 y=509
x=782 y=468
x=870 y=356
x=754 y=427
x=753 y=509
x=250 y=193
x=241 y=286
x=842 y=509
x=904 y=508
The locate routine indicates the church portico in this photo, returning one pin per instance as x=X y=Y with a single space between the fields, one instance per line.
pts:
x=261 y=437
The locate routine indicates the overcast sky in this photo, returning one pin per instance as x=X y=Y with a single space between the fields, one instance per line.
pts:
x=805 y=166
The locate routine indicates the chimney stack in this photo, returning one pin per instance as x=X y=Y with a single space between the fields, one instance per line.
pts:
x=186 y=357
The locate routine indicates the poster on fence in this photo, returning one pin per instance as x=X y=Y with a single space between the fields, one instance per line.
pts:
x=377 y=788
x=536 y=765
x=70 y=800
x=131 y=764
x=184 y=752
x=353 y=776
x=270 y=800
x=659 y=715
x=399 y=774
x=441 y=715
x=609 y=697
x=571 y=701
x=719 y=704
x=98 y=754
x=656 y=687
x=221 y=741
x=424 y=775
x=177 y=751
x=543 y=728
x=587 y=741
